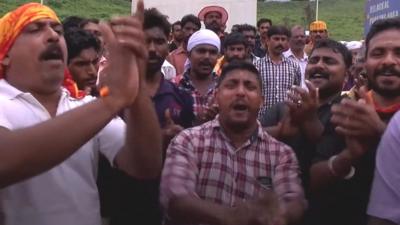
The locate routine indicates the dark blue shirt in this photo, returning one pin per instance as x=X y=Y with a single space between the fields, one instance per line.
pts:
x=179 y=103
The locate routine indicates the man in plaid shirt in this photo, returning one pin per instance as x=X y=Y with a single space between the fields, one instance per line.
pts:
x=199 y=80
x=278 y=73
x=229 y=171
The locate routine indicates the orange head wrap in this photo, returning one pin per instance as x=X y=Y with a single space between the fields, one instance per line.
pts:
x=12 y=24
x=318 y=25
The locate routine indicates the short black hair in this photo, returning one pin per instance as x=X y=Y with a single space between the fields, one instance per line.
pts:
x=239 y=65
x=263 y=20
x=278 y=30
x=153 y=18
x=191 y=18
x=72 y=22
x=78 y=40
x=176 y=23
x=234 y=38
x=235 y=28
x=246 y=27
x=336 y=47
x=380 y=26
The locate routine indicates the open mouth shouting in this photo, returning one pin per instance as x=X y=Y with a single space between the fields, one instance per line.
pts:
x=240 y=107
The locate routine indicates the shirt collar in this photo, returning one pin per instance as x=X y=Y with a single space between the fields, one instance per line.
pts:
x=284 y=59
x=334 y=100
x=215 y=124
x=180 y=50
x=164 y=87
x=289 y=54
x=11 y=92
x=254 y=56
x=187 y=83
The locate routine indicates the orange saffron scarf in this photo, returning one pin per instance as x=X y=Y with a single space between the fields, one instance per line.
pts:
x=12 y=24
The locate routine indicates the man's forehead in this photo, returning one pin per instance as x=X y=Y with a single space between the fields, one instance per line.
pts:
x=214 y=13
x=279 y=36
x=50 y=21
x=244 y=75
x=190 y=24
x=382 y=37
x=154 y=31
x=87 y=54
x=236 y=45
x=241 y=74
x=265 y=24
x=206 y=46
x=325 y=52
x=247 y=32
x=319 y=31
x=298 y=30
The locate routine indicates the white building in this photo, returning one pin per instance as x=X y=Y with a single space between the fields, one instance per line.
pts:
x=243 y=11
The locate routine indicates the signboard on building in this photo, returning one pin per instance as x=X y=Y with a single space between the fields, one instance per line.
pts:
x=380 y=9
x=243 y=11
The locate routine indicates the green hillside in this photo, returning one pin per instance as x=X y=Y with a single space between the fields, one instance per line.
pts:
x=344 y=17
x=85 y=8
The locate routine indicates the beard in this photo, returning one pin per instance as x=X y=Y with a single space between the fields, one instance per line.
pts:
x=329 y=91
x=234 y=58
x=214 y=27
x=387 y=93
x=154 y=64
x=153 y=68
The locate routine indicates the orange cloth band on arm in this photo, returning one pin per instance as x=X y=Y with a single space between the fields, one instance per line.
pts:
x=104 y=91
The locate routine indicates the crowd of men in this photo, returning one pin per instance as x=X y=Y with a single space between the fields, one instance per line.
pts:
x=140 y=121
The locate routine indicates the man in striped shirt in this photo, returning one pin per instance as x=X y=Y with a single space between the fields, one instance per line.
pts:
x=229 y=171
x=278 y=74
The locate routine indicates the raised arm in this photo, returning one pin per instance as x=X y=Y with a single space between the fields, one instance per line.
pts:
x=142 y=155
x=29 y=151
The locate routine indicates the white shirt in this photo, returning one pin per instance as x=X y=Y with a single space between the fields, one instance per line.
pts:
x=66 y=194
x=168 y=70
x=302 y=63
x=384 y=201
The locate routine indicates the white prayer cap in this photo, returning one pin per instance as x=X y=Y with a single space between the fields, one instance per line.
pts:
x=204 y=36
x=353 y=45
